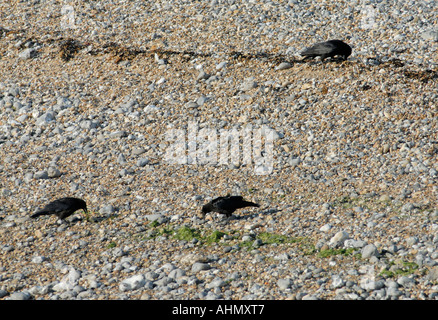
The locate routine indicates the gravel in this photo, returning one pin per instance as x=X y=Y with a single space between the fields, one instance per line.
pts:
x=98 y=104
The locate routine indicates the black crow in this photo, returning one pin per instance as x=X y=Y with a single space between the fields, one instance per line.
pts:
x=327 y=49
x=62 y=208
x=227 y=205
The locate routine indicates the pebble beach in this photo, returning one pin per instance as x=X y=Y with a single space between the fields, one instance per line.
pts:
x=118 y=102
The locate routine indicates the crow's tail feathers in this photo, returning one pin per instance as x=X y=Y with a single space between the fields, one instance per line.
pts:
x=39 y=213
x=250 y=204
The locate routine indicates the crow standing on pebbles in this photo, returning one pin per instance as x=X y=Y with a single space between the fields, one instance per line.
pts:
x=227 y=205
x=327 y=49
x=62 y=208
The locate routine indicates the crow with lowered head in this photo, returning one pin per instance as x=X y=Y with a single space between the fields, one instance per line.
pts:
x=227 y=205
x=327 y=49
x=62 y=208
